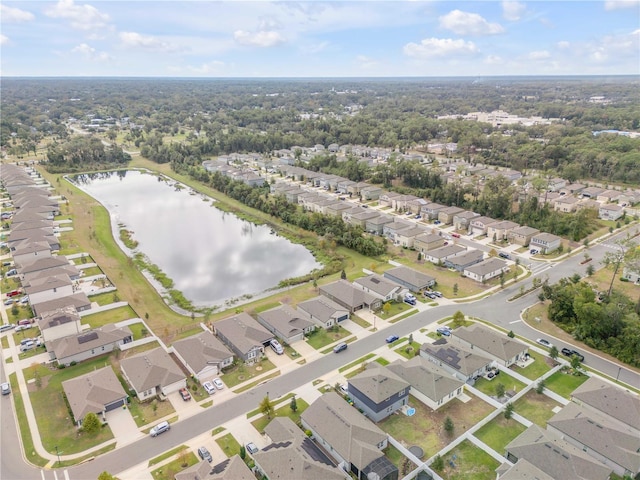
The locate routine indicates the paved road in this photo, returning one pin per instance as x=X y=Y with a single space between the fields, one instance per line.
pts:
x=495 y=308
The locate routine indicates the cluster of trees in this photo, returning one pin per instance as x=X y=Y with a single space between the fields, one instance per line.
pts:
x=84 y=152
x=331 y=229
x=610 y=323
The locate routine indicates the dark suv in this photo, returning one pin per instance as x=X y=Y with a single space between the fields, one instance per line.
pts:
x=570 y=353
x=204 y=454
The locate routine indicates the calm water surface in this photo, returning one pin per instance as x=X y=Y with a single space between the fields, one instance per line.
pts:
x=210 y=255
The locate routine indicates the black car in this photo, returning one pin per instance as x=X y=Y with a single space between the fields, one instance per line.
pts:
x=570 y=353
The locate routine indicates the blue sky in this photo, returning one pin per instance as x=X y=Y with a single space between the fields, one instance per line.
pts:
x=319 y=39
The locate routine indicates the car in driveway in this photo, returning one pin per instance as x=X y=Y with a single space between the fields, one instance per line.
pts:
x=209 y=388
x=391 y=338
x=184 y=393
x=204 y=454
x=533 y=251
x=544 y=342
x=446 y=331
x=344 y=388
x=7 y=326
x=455 y=235
x=9 y=301
x=13 y=293
x=5 y=388
x=251 y=448
x=217 y=383
x=340 y=347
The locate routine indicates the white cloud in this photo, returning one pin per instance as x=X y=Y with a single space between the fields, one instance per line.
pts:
x=563 y=45
x=614 y=47
x=4 y=39
x=90 y=52
x=512 y=10
x=465 y=23
x=82 y=17
x=213 y=67
x=258 y=39
x=493 y=60
x=14 y=15
x=366 y=63
x=619 y=4
x=314 y=48
x=146 y=42
x=440 y=47
x=538 y=55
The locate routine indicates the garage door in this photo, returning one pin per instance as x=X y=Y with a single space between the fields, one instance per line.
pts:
x=114 y=405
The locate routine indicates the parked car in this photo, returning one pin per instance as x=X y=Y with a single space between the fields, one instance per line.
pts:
x=446 y=331
x=251 y=448
x=30 y=345
x=455 y=235
x=204 y=454
x=12 y=272
x=19 y=328
x=544 y=343
x=504 y=255
x=344 y=388
x=437 y=293
x=24 y=300
x=533 y=251
x=431 y=295
x=14 y=293
x=9 y=301
x=7 y=326
x=276 y=347
x=570 y=353
x=218 y=383
x=340 y=347
x=160 y=428
x=5 y=388
x=210 y=389
x=418 y=217
x=391 y=338
x=437 y=222
x=409 y=300
x=184 y=393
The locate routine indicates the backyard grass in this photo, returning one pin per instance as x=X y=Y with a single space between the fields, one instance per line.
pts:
x=564 y=383
x=536 y=407
x=139 y=330
x=284 y=411
x=114 y=315
x=54 y=423
x=425 y=428
x=104 y=298
x=499 y=432
x=321 y=337
x=229 y=445
x=488 y=387
x=168 y=471
x=356 y=362
x=91 y=271
x=539 y=367
x=468 y=462
x=242 y=372
x=396 y=457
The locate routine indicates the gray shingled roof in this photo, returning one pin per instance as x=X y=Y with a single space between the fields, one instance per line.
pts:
x=321 y=307
x=78 y=300
x=524 y=470
x=611 y=400
x=426 y=377
x=287 y=320
x=92 y=391
x=151 y=369
x=350 y=433
x=411 y=276
x=48 y=283
x=378 y=383
x=377 y=283
x=487 y=266
x=243 y=331
x=556 y=457
x=446 y=251
x=466 y=258
x=202 y=350
x=42 y=264
x=232 y=468
x=456 y=356
x=57 y=317
x=495 y=343
x=346 y=293
x=65 y=347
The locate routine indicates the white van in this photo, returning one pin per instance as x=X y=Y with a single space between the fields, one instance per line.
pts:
x=160 y=428
x=275 y=345
x=30 y=345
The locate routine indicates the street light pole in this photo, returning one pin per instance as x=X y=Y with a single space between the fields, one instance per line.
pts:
x=58 y=454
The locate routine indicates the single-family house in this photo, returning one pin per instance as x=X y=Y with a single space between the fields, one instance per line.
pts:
x=428 y=241
x=586 y=203
x=521 y=469
x=49 y=288
x=591 y=192
x=446 y=214
x=347 y=214
x=386 y=199
x=479 y=225
x=153 y=373
x=59 y=323
x=429 y=383
x=556 y=184
x=612 y=444
x=566 y=204
x=96 y=392
x=545 y=242
x=486 y=270
x=610 y=211
x=608 y=399
x=500 y=230
x=406 y=237
x=88 y=344
x=608 y=196
x=371 y=192
x=440 y=255
x=287 y=323
x=522 y=235
x=410 y=278
x=572 y=188
x=293 y=455
x=401 y=203
x=462 y=220
x=243 y=335
x=41 y=264
x=376 y=224
x=554 y=456
x=353 y=441
x=380 y=287
x=361 y=219
x=203 y=355
x=336 y=209
x=232 y=468
x=78 y=300
x=391 y=229
x=378 y=392
x=350 y=297
x=343 y=186
x=430 y=210
x=459 y=361
x=415 y=206
x=28 y=252
x=503 y=349
x=324 y=311
x=464 y=260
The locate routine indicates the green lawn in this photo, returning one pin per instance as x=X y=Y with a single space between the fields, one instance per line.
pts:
x=91 y=271
x=139 y=330
x=536 y=407
x=242 y=372
x=394 y=309
x=360 y=321
x=284 y=411
x=565 y=383
x=396 y=457
x=538 y=368
x=103 y=298
x=499 y=432
x=54 y=424
x=488 y=387
x=229 y=445
x=382 y=361
x=144 y=413
x=114 y=315
x=408 y=351
x=168 y=471
x=356 y=362
x=469 y=463
x=321 y=337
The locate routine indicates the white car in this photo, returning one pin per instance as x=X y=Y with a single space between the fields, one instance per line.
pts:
x=208 y=386
x=544 y=343
x=218 y=383
x=6 y=388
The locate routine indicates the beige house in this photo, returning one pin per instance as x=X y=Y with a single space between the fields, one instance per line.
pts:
x=59 y=323
x=446 y=214
x=480 y=225
x=428 y=241
x=566 y=204
x=153 y=373
x=491 y=343
x=203 y=355
x=501 y=230
x=522 y=235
